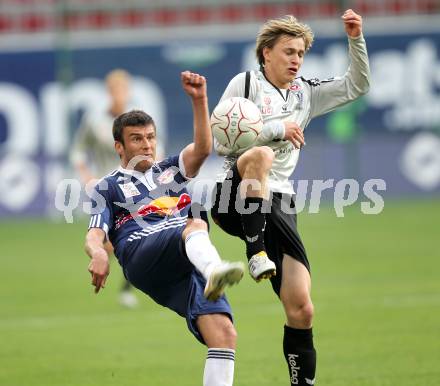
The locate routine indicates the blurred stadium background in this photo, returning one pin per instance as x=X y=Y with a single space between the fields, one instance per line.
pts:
x=376 y=281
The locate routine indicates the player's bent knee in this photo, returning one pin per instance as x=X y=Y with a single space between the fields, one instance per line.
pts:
x=300 y=316
x=267 y=153
x=262 y=156
x=217 y=331
x=194 y=225
x=229 y=333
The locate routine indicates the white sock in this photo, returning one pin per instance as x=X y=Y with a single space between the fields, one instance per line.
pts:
x=201 y=253
x=219 y=367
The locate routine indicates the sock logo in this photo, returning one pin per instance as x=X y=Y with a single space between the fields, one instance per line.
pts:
x=252 y=239
x=310 y=381
x=293 y=368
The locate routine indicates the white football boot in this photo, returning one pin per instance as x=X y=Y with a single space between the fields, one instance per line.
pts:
x=261 y=267
x=224 y=274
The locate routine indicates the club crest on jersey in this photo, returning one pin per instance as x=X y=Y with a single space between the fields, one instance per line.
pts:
x=129 y=189
x=294 y=87
x=267 y=100
x=167 y=176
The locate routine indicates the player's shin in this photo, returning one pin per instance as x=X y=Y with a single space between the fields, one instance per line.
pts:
x=253 y=221
x=300 y=356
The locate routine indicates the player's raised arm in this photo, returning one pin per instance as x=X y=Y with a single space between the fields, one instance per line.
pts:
x=195 y=153
x=355 y=82
x=99 y=266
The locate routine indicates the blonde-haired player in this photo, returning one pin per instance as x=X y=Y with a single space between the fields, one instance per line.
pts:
x=288 y=103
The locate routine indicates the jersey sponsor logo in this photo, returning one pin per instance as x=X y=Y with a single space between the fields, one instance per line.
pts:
x=293 y=368
x=166 y=205
x=162 y=206
x=266 y=110
x=287 y=148
x=129 y=189
x=167 y=176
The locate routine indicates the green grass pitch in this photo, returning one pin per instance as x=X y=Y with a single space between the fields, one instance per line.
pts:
x=376 y=290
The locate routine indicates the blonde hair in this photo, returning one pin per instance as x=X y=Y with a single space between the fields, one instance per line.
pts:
x=273 y=29
x=116 y=75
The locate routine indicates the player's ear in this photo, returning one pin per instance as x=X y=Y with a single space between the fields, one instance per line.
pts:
x=266 y=51
x=119 y=147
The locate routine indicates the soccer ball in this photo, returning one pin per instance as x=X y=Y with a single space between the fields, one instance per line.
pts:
x=236 y=123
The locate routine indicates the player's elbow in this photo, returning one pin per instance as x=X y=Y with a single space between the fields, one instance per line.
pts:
x=362 y=86
x=365 y=86
x=356 y=90
x=202 y=156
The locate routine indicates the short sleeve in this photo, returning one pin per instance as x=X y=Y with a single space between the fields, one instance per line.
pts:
x=181 y=166
x=101 y=207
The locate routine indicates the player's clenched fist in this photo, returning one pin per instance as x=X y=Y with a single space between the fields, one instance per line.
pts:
x=353 y=23
x=194 y=84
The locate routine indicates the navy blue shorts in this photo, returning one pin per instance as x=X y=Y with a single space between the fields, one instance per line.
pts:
x=158 y=266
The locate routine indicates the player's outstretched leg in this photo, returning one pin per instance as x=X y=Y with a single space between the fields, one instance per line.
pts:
x=204 y=256
x=254 y=166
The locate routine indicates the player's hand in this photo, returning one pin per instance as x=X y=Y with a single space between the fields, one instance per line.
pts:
x=99 y=268
x=294 y=134
x=194 y=84
x=352 y=23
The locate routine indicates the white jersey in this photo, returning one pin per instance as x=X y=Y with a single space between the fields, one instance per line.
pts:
x=94 y=144
x=302 y=101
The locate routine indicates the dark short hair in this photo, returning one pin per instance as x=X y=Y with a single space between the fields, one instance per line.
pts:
x=137 y=118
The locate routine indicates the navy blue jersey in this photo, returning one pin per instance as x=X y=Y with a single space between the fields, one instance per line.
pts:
x=128 y=205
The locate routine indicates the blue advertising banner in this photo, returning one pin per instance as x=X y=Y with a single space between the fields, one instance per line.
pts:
x=392 y=133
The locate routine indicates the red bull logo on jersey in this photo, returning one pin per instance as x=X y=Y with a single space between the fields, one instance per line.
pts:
x=162 y=206
x=165 y=206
